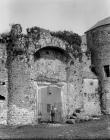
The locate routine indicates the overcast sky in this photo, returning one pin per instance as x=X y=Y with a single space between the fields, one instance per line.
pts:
x=75 y=15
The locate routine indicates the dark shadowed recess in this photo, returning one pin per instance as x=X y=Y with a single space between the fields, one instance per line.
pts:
x=51 y=48
x=2 y=97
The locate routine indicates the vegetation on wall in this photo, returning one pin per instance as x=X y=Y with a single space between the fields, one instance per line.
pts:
x=74 y=41
x=4 y=38
x=18 y=40
x=34 y=32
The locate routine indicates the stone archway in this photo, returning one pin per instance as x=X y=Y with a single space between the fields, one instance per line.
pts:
x=24 y=68
x=49 y=73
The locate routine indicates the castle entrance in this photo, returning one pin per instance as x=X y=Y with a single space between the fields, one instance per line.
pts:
x=48 y=96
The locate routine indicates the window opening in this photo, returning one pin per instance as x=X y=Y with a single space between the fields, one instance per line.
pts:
x=2 y=83
x=2 y=97
x=107 y=70
x=49 y=93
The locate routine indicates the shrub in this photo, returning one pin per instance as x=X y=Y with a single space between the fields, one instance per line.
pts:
x=74 y=41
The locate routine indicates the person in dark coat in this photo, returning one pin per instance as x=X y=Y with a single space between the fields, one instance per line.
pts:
x=52 y=114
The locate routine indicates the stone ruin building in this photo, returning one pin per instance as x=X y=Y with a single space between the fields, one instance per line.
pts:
x=98 y=42
x=34 y=74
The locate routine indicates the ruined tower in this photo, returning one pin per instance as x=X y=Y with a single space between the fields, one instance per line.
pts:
x=98 y=42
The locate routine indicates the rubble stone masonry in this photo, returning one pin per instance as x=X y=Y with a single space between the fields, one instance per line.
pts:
x=3 y=84
x=98 y=41
x=37 y=58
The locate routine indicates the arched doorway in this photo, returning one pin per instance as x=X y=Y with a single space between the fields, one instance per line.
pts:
x=49 y=72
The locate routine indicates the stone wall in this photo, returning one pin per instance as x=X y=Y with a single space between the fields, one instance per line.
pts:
x=39 y=57
x=90 y=84
x=21 y=101
x=91 y=99
x=75 y=85
x=3 y=84
x=98 y=41
x=24 y=68
x=51 y=66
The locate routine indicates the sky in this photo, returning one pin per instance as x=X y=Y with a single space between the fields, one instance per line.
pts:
x=73 y=15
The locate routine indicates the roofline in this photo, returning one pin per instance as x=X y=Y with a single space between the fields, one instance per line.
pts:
x=95 y=27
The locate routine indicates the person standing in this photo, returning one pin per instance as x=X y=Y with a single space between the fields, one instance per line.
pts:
x=52 y=114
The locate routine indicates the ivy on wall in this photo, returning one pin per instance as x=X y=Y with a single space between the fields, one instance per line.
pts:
x=74 y=41
x=18 y=42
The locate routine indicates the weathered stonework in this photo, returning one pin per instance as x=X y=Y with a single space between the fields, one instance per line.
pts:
x=91 y=97
x=3 y=84
x=98 y=41
x=38 y=64
x=90 y=84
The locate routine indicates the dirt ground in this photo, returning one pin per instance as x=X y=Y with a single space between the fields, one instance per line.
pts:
x=94 y=129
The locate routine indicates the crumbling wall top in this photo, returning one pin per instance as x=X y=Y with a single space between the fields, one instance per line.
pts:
x=37 y=38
